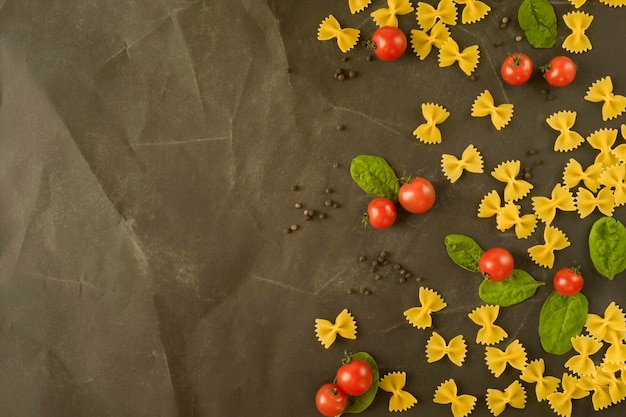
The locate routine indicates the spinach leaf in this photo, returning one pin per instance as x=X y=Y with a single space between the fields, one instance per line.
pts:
x=360 y=403
x=374 y=175
x=464 y=251
x=519 y=286
x=607 y=246
x=562 y=317
x=538 y=21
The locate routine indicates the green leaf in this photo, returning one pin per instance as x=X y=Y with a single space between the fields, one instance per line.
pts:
x=538 y=21
x=374 y=175
x=607 y=246
x=562 y=317
x=360 y=403
x=519 y=286
x=464 y=251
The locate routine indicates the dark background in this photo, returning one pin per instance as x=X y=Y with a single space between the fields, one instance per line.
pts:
x=149 y=151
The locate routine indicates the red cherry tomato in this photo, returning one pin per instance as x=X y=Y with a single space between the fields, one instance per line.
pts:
x=331 y=400
x=516 y=69
x=355 y=377
x=389 y=43
x=560 y=71
x=381 y=213
x=568 y=281
x=417 y=196
x=496 y=264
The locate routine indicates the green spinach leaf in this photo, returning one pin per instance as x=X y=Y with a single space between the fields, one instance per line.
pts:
x=464 y=251
x=362 y=402
x=561 y=318
x=538 y=21
x=607 y=246
x=374 y=175
x=519 y=286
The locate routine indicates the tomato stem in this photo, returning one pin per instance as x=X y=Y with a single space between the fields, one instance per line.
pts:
x=371 y=45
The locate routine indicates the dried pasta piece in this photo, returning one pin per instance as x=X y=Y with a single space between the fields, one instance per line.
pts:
x=489 y=332
x=587 y=202
x=423 y=42
x=510 y=217
x=394 y=383
x=329 y=29
x=471 y=161
x=560 y=199
x=601 y=91
x=484 y=106
x=613 y=322
x=434 y=114
x=582 y=364
x=614 y=3
x=515 y=189
x=615 y=178
x=554 y=239
x=616 y=385
x=574 y=173
x=544 y=385
x=616 y=352
x=437 y=349
x=603 y=140
x=427 y=15
x=513 y=395
x=432 y=302
x=357 y=6
x=450 y=53
x=601 y=398
x=473 y=11
x=562 y=122
x=490 y=205
x=344 y=326
x=514 y=355
x=447 y=393
x=561 y=402
x=577 y=3
x=578 y=22
x=388 y=16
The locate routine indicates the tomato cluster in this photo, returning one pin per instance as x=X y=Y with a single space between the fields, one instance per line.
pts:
x=354 y=377
x=416 y=196
x=517 y=69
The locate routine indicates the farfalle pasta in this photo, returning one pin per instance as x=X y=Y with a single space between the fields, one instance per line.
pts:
x=327 y=331
x=601 y=91
x=577 y=41
x=544 y=385
x=497 y=360
x=428 y=15
x=510 y=217
x=447 y=393
x=357 y=6
x=563 y=122
x=561 y=401
x=329 y=29
x=615 y=179
x=423 y=41
x=601 y=397
x=614 y=3
x=484 y=106
x=432 y=302
x=554 y=239
x=471 y=161
x=616 y=352
x=473 y=11
x=490 y=205
x=387 y=16
x=603 y=140
x=437 y=349
x=585 y=346
x=514 y=395
x=560 y=199
x=515 y=189
x=615 y=384
x=434 y=114
x=587 y=202
x=489 y=332
x=574 y=174
x=394 y=383
x=450 y=54
x=611 y=324
x=577 y=3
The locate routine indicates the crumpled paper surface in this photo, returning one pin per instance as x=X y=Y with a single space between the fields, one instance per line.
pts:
x=148 y=152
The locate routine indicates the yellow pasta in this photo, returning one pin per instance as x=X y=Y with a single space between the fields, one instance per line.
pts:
x=587 y=202
x=601 y=397
x=514 y=355
x=344 y=326
x=357 y=6
x=554 y=239
x=490 y=205
x=562 y=122
x=423 y=42
x=394 y=383
x=484 y=106
x=450 y=54
x=513 y=395
x=615 y=178
x=515 y=189
x=437 y=349
x=429 y=132
x=387 y=16
x=614 y=3
x=574 y=173
x=473 y=11
x=561 y=402
x=510 y=217
x=601 y=91
x=578 y=22
x=560 y=199
x=329 y=29
x=616 y=352
x=603 y=140
x=544 y=385
x=489 y=332
x=428 y=15
x=585 y=346
x=615 y=384
x=471 y=161
x=577 y=3
x=611 y=324
x=432 y=302
x=447 y=393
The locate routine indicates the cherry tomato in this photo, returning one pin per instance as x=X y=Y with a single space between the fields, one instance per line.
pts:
x=389 y=43
x=560 y=71
x=355 y=377
x=516 y=69
x=496 y=264
x=381 y=213
x=417 y=196
x=331 y=400
x=568 y=281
